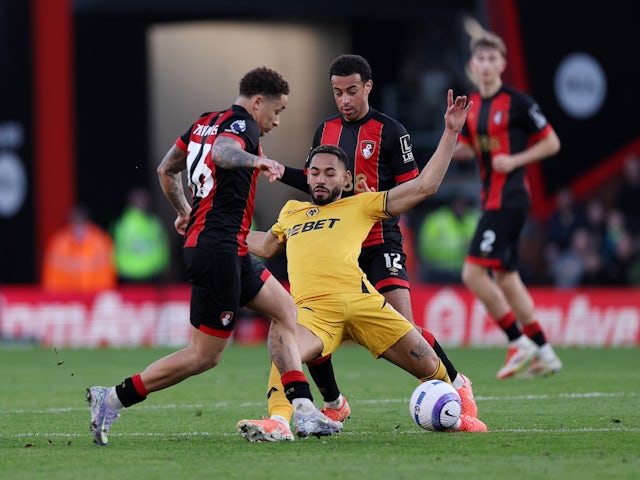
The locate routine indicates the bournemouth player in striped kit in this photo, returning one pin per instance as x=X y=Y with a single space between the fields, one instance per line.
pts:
x=222 y=156
x=505 y=131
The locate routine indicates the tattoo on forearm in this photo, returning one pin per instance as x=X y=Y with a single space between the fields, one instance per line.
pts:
x=170 y=174
x=176 y=195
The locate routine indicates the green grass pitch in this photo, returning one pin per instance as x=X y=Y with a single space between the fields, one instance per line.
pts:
x=581 y=424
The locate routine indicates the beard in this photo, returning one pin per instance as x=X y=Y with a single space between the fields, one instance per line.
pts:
x=334 y=195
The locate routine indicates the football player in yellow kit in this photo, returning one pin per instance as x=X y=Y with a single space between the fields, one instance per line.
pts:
x=335 y=300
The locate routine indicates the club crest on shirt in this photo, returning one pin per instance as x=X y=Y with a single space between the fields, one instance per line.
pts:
x=312 y=212
x=225 y=318
x=497 y=117
x=237 y=126
x=367 y=147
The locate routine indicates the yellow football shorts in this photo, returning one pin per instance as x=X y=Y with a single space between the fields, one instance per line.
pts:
x=365 y=318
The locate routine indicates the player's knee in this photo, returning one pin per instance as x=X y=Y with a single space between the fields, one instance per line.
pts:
x=468 y=276
x=474 y=276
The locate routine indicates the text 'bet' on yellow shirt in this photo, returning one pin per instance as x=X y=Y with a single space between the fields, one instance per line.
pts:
x=324 y=241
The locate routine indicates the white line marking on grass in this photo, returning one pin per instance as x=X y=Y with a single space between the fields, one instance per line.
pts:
x=168 y=406
x=343 y=433
x=378 y=401
x=511 y=397
x=561 y=395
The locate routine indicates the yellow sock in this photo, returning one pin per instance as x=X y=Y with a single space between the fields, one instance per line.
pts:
x=439 y=374
x=276 y=399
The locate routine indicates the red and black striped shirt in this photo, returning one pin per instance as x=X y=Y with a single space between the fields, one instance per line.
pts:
x=223 y=199
x=379 y=150
x=507 y=122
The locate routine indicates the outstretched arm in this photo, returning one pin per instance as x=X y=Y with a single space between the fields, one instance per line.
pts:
x=406 y=195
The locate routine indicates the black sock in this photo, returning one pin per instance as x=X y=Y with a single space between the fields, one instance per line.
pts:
x=509 y=326
x=451 y=370
x=128 y=394
x=324 y=378
x=297 y=389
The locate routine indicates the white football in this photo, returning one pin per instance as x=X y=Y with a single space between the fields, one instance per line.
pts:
x=435 y=406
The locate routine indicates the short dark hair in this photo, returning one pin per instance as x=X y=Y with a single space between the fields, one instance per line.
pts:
x=263 y=81
x=348 y=64
x=333 y=150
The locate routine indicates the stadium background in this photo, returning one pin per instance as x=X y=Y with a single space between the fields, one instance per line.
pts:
x=93 y=92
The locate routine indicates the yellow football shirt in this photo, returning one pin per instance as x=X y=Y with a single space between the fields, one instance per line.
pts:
x=324 y=241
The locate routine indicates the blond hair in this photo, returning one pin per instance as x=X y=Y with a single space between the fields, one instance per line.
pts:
x=488 y=40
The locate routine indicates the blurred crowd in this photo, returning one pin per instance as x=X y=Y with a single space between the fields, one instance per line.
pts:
x=82 y=256
x=595 y=241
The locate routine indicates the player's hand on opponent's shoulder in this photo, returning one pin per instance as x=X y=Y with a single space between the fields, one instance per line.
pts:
x=457 y=111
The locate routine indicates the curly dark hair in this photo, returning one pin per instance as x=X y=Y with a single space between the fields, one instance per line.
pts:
x=333 y=150
x=263 y=81
x=348 y=64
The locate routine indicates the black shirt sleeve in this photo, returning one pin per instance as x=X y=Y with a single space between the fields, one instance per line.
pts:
x=295 y=177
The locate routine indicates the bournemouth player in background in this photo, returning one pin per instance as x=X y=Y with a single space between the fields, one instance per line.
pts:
x=505 y=131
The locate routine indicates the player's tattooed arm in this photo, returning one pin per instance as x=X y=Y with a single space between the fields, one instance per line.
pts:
x=228 y=153
x=170 y=176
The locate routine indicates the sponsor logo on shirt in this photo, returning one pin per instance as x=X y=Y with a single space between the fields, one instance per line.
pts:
x=311 y=226
x=405 y=149
x=537 y=116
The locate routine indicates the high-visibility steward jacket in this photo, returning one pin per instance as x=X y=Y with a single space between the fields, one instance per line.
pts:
x=141 y=245
x=79 y=258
